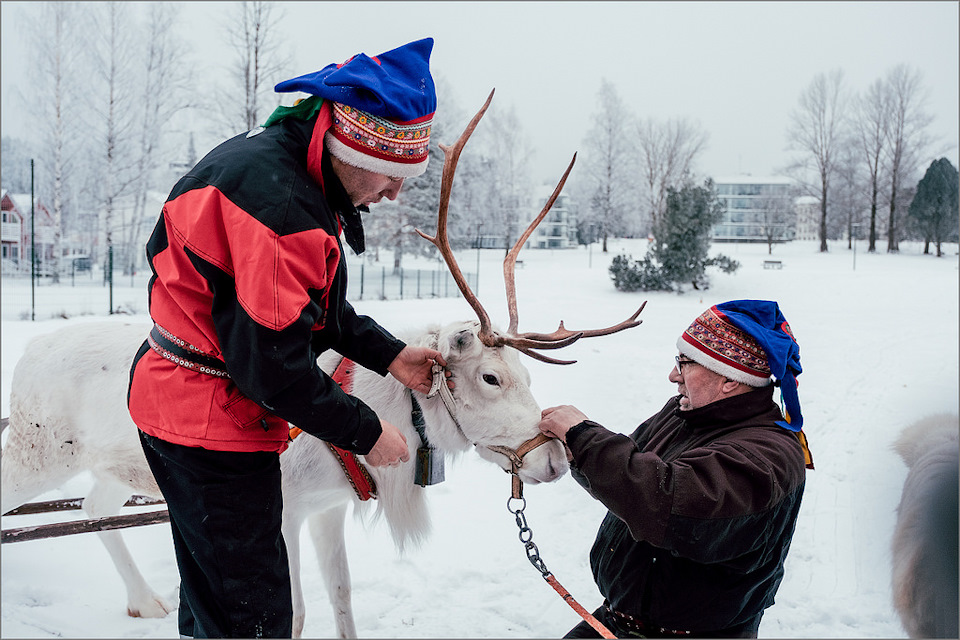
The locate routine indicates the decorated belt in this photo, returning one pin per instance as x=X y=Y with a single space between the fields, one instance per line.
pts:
x=635 y=626
x=186 y=355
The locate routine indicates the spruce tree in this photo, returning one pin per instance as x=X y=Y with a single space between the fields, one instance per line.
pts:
x=934 y=209
x=681 y=247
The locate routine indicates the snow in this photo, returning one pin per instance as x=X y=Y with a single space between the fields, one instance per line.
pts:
x=879 y=347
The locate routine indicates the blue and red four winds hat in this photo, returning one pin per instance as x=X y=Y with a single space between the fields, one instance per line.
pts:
x=382 y=108
x=751 y=342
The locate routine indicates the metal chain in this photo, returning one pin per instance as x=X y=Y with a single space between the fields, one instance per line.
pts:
x=526 y=537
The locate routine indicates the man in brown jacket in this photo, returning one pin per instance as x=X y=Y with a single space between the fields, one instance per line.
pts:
x=702 y=497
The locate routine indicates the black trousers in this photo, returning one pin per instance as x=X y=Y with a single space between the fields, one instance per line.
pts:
x=225 y=515
x=607 y=619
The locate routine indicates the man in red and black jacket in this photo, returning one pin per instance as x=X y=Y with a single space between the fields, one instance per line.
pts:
x=248 y=289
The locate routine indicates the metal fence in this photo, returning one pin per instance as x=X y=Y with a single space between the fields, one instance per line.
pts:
x=90 y=293
x=376 y=282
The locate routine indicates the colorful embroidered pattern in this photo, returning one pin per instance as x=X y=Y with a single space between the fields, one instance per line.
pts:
x=405 y=143
x=722 y=341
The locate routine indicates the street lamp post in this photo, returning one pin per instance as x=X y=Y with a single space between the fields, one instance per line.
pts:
x=476 y=284
x=855 y=229
x=590 y=245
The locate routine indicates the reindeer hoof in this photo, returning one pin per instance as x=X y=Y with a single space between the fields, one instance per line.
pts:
x=156 y=607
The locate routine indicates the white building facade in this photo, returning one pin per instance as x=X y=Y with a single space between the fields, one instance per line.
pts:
x=756 y=209
x=559 y=229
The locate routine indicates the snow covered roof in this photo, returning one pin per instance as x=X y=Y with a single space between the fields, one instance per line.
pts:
x=748 y=179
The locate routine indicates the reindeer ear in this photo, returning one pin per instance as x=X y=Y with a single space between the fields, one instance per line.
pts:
x=462 y=340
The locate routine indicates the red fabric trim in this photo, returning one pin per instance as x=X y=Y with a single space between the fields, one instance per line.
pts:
x=357 y=474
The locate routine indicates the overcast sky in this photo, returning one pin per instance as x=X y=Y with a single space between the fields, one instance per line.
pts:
x=736 y=67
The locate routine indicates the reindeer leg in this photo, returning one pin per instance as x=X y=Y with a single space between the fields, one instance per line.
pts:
x=31 y=463
x=326 y=529
x=105 y=499
x=291 y=538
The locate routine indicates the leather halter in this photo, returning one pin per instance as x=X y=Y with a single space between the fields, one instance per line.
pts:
x=514 y=455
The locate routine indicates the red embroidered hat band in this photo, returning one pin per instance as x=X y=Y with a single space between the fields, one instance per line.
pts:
x=720 y=346
x=395 y=149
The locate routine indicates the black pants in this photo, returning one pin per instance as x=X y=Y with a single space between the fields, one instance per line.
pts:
x=225 y=514
x=584 y=630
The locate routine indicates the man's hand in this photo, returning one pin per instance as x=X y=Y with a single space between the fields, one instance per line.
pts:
x=556 y=421
x=390 y=449
x=412 y=367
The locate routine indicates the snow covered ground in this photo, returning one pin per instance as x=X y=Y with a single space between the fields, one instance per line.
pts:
x=879 y=347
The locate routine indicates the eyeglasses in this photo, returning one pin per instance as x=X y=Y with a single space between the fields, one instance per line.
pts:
x=680 y=363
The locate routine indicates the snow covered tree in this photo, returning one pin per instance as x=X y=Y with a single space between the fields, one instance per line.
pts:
x=935 y=209
x=255 y=37
x=113 y=51
x=680 y=250
x=508 y=156
x=164 y=81
x=610 y=165
x=56 y=50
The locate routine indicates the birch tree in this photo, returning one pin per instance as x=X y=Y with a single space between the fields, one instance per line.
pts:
x=816 y=129
x=906 y=138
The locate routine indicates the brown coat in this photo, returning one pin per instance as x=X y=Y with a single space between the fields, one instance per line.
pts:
x=702 y=507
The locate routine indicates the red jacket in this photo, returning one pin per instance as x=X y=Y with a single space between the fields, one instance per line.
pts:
x=247 y=268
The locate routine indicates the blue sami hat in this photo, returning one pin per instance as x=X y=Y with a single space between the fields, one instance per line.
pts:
x=383 y=108
x=749 y=341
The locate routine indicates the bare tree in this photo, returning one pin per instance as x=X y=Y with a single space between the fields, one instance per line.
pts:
x=906 y=138
x=847 y=190
x=610 y=164
x=253 y=34
x=872 y=115
x=667 y=153
x=775 y=217
x=816 y=128
x=164 y=84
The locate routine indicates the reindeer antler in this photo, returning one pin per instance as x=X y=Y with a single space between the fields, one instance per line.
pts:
x=525 y=342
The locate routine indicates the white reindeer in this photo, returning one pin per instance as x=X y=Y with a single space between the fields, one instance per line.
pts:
x=925 y=573
x=68 y=414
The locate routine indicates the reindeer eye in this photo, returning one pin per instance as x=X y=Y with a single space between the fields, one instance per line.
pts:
x=491 y=379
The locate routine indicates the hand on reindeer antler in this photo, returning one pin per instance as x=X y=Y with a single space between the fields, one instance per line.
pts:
x=526 y=343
